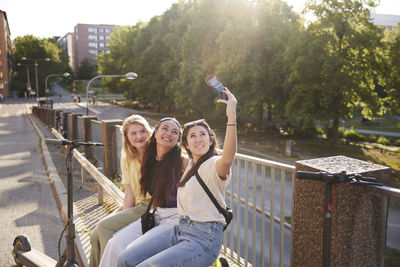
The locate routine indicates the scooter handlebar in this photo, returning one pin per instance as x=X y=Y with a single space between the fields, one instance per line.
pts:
x=316 y=176
x=64 y=142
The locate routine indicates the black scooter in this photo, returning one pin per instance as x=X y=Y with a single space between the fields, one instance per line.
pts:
x=22 y=252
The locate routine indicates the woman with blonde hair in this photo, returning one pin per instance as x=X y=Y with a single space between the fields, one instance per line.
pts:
x=136 y=133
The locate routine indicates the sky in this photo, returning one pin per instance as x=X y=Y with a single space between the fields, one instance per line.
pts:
x=48 y=18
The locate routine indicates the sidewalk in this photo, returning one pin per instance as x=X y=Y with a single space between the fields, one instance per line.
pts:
x=87 y=212
x=27 y=204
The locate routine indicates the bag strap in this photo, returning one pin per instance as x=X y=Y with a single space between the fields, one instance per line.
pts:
x=149 y=206
x=211 y=196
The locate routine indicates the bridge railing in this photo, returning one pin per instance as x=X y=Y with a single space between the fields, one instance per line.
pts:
x=260 y=194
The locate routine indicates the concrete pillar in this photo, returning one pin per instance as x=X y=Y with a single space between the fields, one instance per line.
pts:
x=87 y=132
x=110 y=147
x=73 y=126
x=357 y=224
x=64 y=120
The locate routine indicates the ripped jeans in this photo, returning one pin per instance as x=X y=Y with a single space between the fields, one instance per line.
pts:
x=187 y=244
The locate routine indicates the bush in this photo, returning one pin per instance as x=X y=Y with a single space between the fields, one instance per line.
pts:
x=383 y=141
x=372 y=138
x=353 y=135
x=397 y=142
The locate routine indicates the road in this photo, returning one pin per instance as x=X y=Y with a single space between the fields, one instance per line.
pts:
x=27 y=204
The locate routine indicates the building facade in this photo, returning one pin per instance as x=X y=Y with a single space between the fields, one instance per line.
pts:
x=387 y=21
x=6 y=66
x=90 y=40
x=66 y=43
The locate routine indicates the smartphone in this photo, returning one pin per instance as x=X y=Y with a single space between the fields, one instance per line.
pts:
x=213 y=82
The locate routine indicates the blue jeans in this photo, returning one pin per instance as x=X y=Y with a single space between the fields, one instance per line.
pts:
x=187 y=244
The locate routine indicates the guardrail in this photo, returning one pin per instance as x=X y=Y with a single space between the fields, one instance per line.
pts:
x=260 y=194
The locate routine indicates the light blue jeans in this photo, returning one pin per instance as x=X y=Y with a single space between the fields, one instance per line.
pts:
x=187 y=244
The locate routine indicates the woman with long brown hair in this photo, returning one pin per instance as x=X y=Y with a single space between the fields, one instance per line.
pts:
x=161 y=171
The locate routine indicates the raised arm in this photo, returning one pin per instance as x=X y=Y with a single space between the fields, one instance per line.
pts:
x=230 y=144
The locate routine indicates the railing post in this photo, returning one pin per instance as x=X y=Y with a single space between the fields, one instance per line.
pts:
x=73 y=126
x=356 y=235
x=110 y=148
x=87 y=131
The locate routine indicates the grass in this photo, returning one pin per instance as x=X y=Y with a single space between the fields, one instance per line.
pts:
x=385 y=123
x=392 y=258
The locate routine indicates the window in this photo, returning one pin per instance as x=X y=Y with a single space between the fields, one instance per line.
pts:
x=107 y=38
x=1 y=75
x=101 y=44
x=76 y=37
x=108 y=30
x=92 y=30
x=107 y=44
x=101 y=37
x=92 y=44
x=101 y=29
x=93 y=52
x=1 y=85
x=92 y=37
x=107 y=51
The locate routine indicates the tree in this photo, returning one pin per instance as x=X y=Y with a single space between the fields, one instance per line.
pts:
x=34 y=48
x=392 y=79
x=337 y=65
x=87 y=69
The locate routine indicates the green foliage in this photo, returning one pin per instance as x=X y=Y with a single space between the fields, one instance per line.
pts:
x=371 y=138
x=383 y=141
x=353 y=135
x=397 y=142
x=34 y=48
x=87 y=69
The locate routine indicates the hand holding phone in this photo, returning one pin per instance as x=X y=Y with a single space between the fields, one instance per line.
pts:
x=213 y=82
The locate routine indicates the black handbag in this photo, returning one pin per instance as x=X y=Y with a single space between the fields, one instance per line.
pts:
x=147 y=219
x=227 y=212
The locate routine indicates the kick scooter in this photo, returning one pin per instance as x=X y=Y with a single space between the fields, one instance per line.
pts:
x=22 y=252
x=330 y=179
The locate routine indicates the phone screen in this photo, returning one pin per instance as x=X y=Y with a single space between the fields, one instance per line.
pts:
x=217 y=85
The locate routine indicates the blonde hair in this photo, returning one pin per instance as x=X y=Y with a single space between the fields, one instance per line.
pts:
x=128 y=150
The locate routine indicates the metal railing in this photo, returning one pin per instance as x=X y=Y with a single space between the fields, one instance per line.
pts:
x=260 y=194
x=247 y=194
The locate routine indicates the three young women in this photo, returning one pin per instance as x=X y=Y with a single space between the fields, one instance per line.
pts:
x=197 y=239
x=136 y=135
x=161 y=171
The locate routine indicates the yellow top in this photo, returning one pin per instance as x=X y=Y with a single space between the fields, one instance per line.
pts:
x=131 y=175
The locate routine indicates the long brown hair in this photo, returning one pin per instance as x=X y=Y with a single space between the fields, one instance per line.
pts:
x=166 y=174
x=212 y=151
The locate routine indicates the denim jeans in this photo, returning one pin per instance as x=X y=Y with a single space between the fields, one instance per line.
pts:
x=187 y=244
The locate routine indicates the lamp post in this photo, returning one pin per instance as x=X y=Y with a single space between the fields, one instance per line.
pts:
x=36 y=73
x=28 y=80
x=129 y=75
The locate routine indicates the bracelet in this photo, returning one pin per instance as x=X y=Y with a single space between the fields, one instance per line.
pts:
x=231 y=124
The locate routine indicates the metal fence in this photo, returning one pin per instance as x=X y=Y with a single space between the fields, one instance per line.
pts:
x=260 y=195
x=96 y=136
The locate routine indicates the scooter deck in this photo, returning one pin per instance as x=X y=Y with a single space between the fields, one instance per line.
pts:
x=35 y=258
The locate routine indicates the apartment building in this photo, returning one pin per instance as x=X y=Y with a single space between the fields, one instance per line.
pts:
x=90 y=40
x=66 y=43
x=387 y=21
x=5 y=55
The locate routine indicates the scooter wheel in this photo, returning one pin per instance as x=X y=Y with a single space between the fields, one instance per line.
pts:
x=21 y=243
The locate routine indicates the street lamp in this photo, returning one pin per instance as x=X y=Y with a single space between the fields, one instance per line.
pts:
x=28 y=80
x=66 y=75
x=129 y=75
x=36 y=73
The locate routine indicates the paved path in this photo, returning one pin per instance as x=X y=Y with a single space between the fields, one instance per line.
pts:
x=27 y=203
